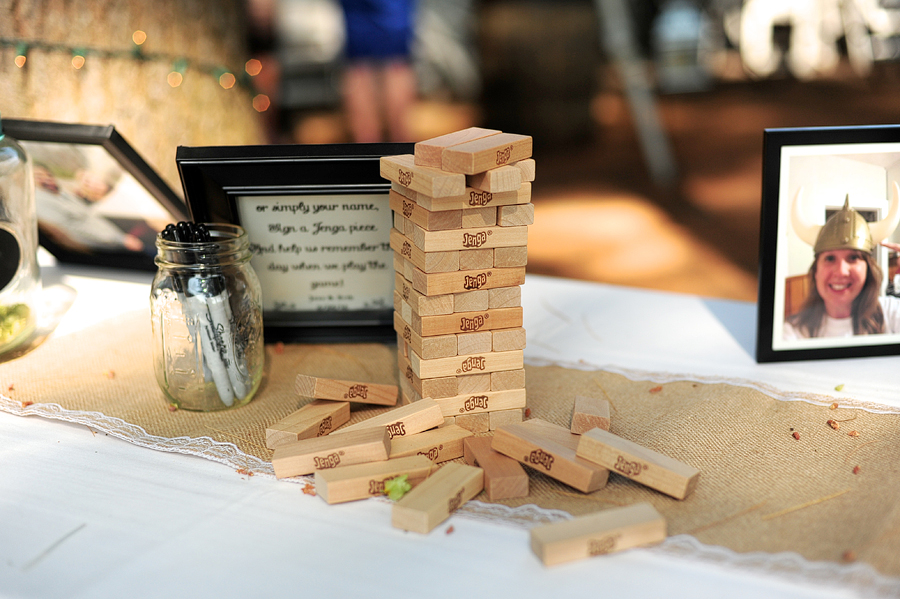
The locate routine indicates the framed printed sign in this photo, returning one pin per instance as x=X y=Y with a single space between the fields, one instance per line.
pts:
x=319 y=223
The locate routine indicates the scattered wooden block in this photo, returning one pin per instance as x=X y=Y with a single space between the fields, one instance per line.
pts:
x=420 y=303
x=473 y=383
x=502 y=178
x=638 y=463
x=476 y=259
x=557 y=433
x=361 y=481
x=441 y=346
x=479 y=217
x=508 y=339
x=474 y=198
x=471 y=301
x=503 y=417
x=423 y=179
x=462 y=365
x=428 y=220
x=467 y=322
x=399 y=422
x=508 y=379
x=486 y=153
x=468 y=239
x=355 y=391
x=600 y=533
x=505 y=297
x=439 y=445
x=588 y=413
x=486 y=401
x=504 y=477
x=477 y=423
x=539 y=450
x=515 y=216
x=315 y=419
x=527 y=167
x=322 y=453
x=437 y=497
x=428 y=152
x=442 y=283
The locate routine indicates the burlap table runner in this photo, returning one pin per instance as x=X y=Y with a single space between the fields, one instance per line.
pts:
x=829 y=495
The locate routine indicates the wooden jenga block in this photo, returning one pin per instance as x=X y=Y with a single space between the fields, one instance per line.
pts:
x=535 y=448
x=508 y=339
x=439 y=445
x=485 y=401
x=504 y=477
x=437 y=497
x=400 y=223
x=467 y=322
x=515 y=216
x=406 y=192
x=428 y=152
x=462 y=365
x=440 y=346
x=399 y=422
x=504 y=417
x=474 y=198
x=434 y=388
x=471 y=301
x=527 y=167
x=355 y=391
x=423 y=179
x=442 y=283
x=588 y=413
x=315 y=419
x=320 y=453
x=505 y=297
x=426 y=261
x=403 y=267
x=477 y=423
x=468 y=239
x=486 y=153
x=448 y=420
x=361 y=481
x=473 y=343
x=640 y=464
x=420 y=303
x=508 y=379
x=600 y=533
x=428 y=220
x=502 y=178
x=476 y=259
x=473 y=383
x=479 y=217
x=511 y=257
x=557 y=433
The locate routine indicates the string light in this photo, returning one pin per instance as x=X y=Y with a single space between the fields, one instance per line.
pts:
x=227 y=80
x=253 y=67
x=261 y=102
x=21 y=55
x=139 y=37
x=176 y=77
x=77 y=58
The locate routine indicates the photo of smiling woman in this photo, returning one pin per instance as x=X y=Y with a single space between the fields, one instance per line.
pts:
x=845 y=281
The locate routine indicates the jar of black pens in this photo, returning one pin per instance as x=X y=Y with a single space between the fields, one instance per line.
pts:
x=206 y=312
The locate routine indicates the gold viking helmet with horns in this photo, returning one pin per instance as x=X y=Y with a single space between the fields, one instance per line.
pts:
x=846 y=229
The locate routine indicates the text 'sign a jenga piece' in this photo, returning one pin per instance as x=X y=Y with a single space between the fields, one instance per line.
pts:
x=643 y=465
x=599 y=533
x=437 y=497
x=399 y=422
x=432 y=182
x=428 y=152
x=588 y=413
x=337 y=390
x=322 y=453
x=504 y=477
x=486 y=153
x=360 y=481
x=315 y=419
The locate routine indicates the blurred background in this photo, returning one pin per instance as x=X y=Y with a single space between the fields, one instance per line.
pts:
x=647 y=115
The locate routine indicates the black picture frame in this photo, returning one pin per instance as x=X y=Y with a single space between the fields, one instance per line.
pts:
x=230 y=184
x=830 y=164
x=114 y=229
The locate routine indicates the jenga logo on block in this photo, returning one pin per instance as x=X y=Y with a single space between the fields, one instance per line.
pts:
x=472 y=363
x=407 y=334
x=475 y=240
x=603 y=545
x=409 y=373
x=476 y=282
x=329 y=461
x=432 y=454
x=325 y=426
x=405 y=178
x=405 y=292
x=540 y=458
x=408 y=208
x=472 y=324
x=376 y=487
x=406 y=250
x=629 y=468
x=480 y=198
x=396 y=430
x=474 y=402
x=454 y=502
x=504 y=154
x=357 y=391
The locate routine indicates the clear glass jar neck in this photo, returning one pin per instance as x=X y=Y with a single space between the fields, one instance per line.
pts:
x=229 y=246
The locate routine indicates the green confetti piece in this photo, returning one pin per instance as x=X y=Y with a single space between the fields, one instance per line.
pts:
x=395 y=488
x=839 y=387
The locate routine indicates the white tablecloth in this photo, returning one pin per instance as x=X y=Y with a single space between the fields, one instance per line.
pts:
x=83 y=514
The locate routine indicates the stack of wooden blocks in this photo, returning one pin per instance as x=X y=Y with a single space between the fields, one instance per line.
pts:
x=462 y=206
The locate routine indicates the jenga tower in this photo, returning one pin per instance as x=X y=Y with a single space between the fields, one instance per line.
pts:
x=462 y=206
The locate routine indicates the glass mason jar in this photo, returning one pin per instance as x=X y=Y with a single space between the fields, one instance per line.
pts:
x=20 y=278
x=206 y=313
